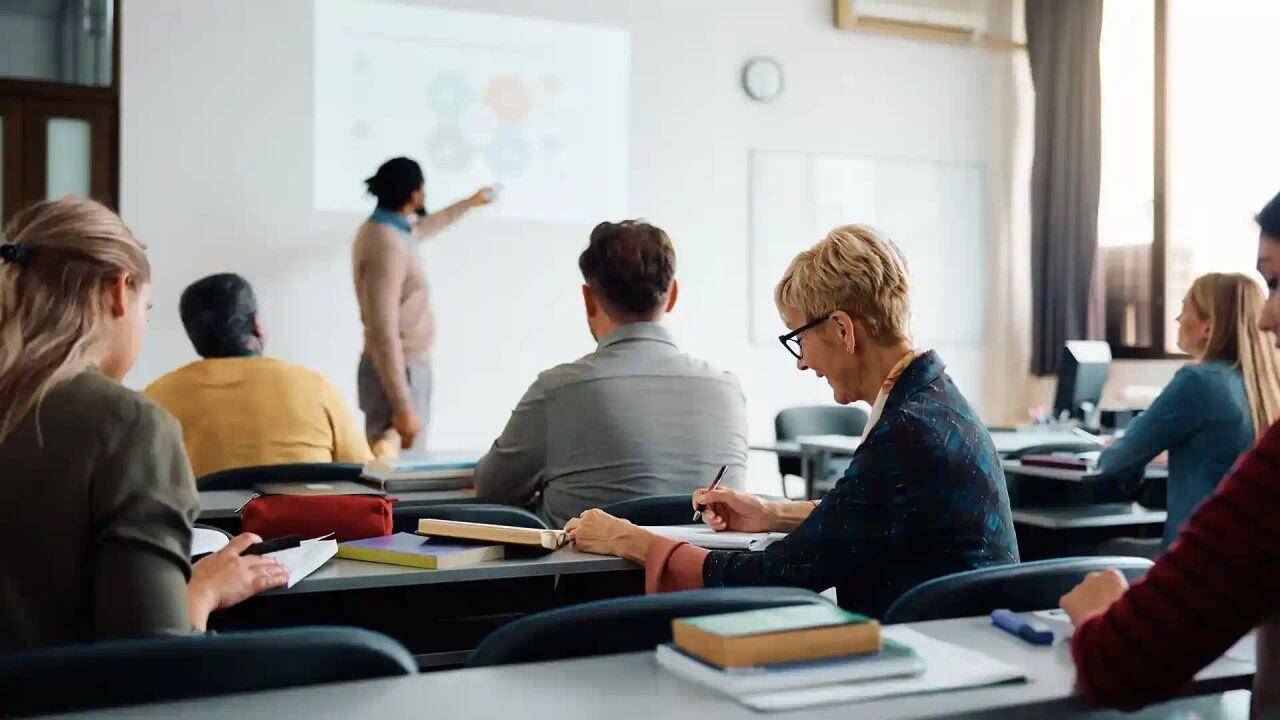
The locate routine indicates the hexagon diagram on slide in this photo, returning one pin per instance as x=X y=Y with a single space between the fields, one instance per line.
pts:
x=509 y=98
x=509 y=152
x=447 y=148
x=449 y=94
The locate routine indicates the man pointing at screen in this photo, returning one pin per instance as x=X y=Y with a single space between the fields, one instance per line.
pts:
x=394 y=378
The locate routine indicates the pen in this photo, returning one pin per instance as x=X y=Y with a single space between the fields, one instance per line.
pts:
x=697 y=514
x=270 y=546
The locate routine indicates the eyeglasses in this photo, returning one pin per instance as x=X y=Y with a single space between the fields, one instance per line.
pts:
x=791 y=341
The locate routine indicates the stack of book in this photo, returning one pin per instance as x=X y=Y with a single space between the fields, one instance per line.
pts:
x=439 y=472
x=760 y=651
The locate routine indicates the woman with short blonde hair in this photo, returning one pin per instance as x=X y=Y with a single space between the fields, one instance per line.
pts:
x=91 y=473
x=1211 y=411
x=924 y=495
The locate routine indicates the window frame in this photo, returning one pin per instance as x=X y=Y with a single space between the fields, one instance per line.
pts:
x=24 y=100
x=1160 y=208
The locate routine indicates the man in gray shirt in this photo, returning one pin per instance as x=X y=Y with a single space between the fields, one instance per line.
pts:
x=636 y=417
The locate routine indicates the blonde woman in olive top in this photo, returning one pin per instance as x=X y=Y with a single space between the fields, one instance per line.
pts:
x=96 y=495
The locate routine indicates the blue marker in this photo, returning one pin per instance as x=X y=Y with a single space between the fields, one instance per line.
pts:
x=1033 y=631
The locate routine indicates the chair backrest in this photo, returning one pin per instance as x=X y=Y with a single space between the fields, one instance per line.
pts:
x=1020 y=587
x=406 y=519
x=123 y=672
x=619 y=625
x=246 y=477
x=794 y=422
x=654 y=510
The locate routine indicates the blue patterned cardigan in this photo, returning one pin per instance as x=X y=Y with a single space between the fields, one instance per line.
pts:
x=924 y=496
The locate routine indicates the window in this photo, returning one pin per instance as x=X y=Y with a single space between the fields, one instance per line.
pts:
x=1188 y=143
x=59 y=101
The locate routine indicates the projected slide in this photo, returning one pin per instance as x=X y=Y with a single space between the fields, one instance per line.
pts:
x=541 y=107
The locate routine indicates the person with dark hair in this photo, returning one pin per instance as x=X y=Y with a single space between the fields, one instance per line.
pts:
x=636 y=417
x=238 y=408
x=394 y=377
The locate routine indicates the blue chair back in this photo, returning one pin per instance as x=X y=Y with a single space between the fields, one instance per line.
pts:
x=126 y=672
x=655 y=509
x=406 y=519
x=246 y=477
x=620 y=625
x=1020 y=587
x=794 y=422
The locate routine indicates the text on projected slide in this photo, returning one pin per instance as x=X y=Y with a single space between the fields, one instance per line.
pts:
x=539 y=106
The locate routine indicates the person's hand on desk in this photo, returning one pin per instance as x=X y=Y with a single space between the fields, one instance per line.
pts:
x=724 y=509
x=225 y=578
x=1094 y=595
x=596 y=531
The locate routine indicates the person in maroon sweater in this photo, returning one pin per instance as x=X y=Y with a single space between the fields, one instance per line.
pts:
x=1221 y=578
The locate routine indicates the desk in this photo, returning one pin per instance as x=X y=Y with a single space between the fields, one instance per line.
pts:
x=342 y=574
x=633 y=687
x=817 y=450
x=1010 y=441
x=225 y=504
x=1106 y=515
x=1015 y=467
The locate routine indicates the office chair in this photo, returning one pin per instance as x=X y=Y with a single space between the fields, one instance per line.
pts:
x=1020 y=587
x=406 y=519
x=621 y=625
x=245 y=478
x=654 y=510
x=795 y=422
x=124 y=672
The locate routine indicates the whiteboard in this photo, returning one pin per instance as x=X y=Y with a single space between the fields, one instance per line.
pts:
x=932 y=211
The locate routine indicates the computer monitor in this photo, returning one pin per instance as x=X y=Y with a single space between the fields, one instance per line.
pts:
x=1082 y=373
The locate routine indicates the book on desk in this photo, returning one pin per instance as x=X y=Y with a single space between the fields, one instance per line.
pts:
x=442 y=472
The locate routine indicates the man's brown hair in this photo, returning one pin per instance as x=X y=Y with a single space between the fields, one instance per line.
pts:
x=630 y=264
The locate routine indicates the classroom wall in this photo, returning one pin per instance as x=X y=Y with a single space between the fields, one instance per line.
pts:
x=216 y=176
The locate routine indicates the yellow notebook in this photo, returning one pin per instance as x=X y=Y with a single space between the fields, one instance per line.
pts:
x=417 y=551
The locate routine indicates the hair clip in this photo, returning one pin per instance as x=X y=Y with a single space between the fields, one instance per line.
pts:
x=14 y=253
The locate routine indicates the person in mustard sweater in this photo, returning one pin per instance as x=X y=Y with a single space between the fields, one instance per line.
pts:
x=238 y=408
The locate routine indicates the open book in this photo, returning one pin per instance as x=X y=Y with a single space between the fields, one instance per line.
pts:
x=306 y=558
x=504 y=534
x=704 y=537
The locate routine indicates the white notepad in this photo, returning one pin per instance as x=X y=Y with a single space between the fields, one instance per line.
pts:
x=947 y=667
x=306 y=558
x=705 y=537
x=205 y=541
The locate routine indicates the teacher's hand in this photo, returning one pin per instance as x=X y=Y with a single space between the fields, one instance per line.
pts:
x=407 y=425
x=732 y=510
x=483 y=196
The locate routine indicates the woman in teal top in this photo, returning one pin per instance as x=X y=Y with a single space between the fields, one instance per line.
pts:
x=1212 y=409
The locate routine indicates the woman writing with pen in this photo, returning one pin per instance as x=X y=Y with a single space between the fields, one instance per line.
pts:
x=910 y=507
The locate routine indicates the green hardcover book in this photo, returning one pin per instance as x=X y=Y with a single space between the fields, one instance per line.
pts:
x=776 y=635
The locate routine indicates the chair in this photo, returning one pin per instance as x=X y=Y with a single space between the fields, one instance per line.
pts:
x=816 y=420
x=1020 y=587
x=406 y=519
x=654 y=510
x=620 y=625
x=121 y=672
x=245 y=478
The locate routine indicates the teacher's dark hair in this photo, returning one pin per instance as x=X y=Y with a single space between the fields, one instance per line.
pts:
x=395 y=182
x=631 y=264
x=219 y=313
x=1269 y=218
